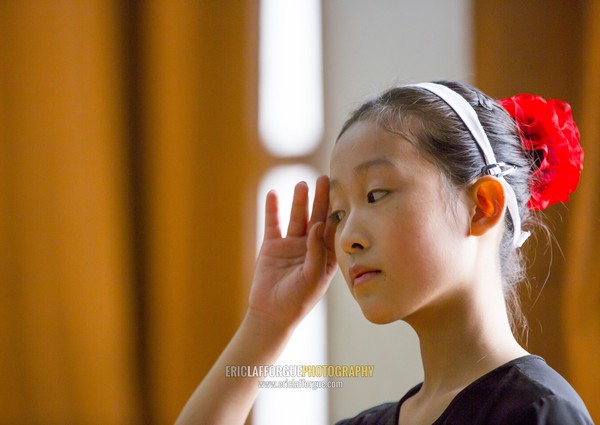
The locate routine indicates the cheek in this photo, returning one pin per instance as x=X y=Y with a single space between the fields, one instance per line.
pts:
x=439 y=245
x=341 y=257
x=339 y=253
x=427 y=235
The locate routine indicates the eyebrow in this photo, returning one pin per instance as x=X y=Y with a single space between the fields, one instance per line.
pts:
x=364 y=166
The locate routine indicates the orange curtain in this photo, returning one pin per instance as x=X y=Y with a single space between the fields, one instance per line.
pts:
x=582 y=280
x=198 y=126
x=127 y=168
x=67 y=337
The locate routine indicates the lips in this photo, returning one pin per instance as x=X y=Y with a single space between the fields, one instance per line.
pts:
x=359 y=274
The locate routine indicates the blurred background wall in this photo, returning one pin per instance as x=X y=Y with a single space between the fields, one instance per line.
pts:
x=129 y=166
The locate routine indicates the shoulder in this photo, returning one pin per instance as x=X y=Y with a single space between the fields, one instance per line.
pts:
x=524 y=391
x=546 y=397
x=551 y=410
x=382 y=414
x=543 y=388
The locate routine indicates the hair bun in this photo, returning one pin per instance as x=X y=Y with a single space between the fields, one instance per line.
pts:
x=547 y=129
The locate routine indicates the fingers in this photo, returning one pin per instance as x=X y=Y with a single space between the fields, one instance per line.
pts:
x=320 y=261
x=299 y=213
x=321 y=201
x=315 y=259
x=272 y=230
x=299 y=224
x=329 y=240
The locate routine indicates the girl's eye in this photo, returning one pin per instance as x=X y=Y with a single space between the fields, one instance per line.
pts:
x=336 y=216
x=375 y=195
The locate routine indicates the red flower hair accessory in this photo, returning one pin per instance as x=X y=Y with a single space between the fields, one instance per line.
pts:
x=547 y=128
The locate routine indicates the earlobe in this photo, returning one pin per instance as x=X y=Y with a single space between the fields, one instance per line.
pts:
x=487 y=195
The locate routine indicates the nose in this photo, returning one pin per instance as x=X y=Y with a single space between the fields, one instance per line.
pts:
x=353 y=236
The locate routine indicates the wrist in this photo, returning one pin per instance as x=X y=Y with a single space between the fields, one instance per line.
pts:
x=267 y=326
x=258 y=341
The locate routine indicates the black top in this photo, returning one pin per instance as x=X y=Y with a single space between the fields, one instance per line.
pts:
x=525 y=391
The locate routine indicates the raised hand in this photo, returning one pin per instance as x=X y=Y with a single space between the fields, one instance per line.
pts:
x=293 y=272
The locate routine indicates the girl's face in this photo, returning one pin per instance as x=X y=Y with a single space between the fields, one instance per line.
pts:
x=401 y=238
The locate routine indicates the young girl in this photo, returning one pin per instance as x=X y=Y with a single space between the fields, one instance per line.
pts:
x=425 y=210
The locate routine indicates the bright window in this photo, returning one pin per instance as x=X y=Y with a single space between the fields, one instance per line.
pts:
x=290 y=76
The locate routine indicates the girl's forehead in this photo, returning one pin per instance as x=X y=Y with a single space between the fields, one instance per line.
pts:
x=367 y=151
x=365 y=141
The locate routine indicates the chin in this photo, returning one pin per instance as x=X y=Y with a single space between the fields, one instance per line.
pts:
x=379 y=316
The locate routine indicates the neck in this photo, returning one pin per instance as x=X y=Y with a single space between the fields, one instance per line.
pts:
x=463 y=340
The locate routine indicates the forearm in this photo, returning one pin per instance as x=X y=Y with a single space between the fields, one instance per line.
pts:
x=227 y=400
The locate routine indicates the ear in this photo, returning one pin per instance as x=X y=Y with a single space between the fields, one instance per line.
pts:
x=487 y=196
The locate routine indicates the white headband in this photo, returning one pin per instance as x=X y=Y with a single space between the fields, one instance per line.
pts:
x=468 y=115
